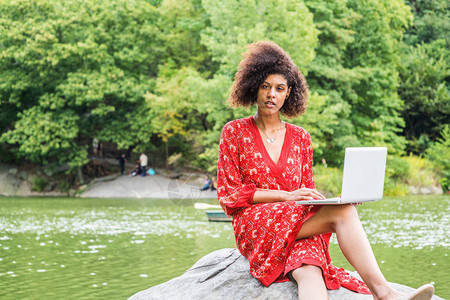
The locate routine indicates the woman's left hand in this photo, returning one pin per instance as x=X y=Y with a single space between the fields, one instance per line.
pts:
x=303 y=194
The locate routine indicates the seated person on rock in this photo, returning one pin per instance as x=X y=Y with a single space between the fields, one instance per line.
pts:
x=206 y=184
x=136 y=170
x=213 y=184
x=264 y=166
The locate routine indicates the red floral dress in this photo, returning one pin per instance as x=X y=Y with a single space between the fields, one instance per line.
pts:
x=266 y=233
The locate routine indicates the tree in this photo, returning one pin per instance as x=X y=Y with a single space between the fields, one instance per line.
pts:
x=353 y=70
x=438 y=153
x=431 y=22
x=235 y=24
x=331 y=81
x=181 y=22
x=71 y=70
x=424 y=76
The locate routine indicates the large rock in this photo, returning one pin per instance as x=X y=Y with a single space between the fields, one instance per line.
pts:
x=10 y=185
x=224 y=274
x=18 y=183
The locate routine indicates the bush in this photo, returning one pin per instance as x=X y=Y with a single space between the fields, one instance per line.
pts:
x=401 y=172
x=439 y=154
x=38 y=184
x=422 y=172
x=64 y=186
x=328 y=180
x=397 y=168
x=395 y=187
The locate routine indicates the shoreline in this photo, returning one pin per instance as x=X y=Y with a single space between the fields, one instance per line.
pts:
x=148 y=187
x=163 y=185
x=19 y=183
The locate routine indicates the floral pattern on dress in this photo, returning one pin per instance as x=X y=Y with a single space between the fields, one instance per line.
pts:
x=266 y=233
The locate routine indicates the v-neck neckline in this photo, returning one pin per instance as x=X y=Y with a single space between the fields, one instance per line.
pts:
x=284 y=148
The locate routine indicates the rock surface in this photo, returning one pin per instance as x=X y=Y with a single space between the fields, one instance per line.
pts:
x=18 y=183
x=157 y=186
x=14 y=182
x=224 y=274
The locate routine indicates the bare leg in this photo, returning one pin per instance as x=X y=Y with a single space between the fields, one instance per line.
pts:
x=344 y=221
x=310 y=283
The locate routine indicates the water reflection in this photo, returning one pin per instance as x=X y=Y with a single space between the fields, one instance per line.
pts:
x=409 y=225
x=414 y=222
x=112 y=248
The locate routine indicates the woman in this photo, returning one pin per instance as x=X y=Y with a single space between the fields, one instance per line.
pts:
x=265 y=165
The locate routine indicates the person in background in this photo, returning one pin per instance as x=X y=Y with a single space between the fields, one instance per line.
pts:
x=100 y=149
x=122 y=161
x=143 y=160
x=136 y=170
x=214 y=183
x=206 y=184
x=95 y=146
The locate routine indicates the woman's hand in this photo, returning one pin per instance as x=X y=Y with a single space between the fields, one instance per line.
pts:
x=303 y=194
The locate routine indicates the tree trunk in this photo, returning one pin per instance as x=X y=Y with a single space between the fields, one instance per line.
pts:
x=167 y=154
x=80 y=175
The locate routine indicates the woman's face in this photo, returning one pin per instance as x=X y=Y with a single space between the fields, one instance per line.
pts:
x=272 y=93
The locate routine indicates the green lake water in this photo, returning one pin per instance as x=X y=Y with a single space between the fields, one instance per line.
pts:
x=64 y=248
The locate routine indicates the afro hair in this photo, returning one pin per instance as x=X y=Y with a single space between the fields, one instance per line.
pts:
x=263 y=59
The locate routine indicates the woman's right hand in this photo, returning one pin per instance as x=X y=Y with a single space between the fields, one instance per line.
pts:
x=303 y=194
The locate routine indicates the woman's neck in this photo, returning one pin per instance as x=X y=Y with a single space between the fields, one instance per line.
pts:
x=268 y=122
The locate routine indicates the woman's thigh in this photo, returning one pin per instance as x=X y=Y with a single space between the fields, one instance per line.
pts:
x=325 y=220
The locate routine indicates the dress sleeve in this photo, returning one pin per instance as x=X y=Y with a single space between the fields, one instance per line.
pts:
x=307 y=163
x=233 y=194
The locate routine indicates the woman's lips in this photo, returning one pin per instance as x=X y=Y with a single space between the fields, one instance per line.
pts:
x=270 y=104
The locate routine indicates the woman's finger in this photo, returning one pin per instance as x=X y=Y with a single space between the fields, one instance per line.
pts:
x=315 y=194
x=310 y=193
x=319 y=195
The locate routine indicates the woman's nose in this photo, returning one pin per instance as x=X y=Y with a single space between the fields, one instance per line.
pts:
x=272 y=92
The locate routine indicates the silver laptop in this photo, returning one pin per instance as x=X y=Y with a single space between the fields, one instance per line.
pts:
x=363 y=178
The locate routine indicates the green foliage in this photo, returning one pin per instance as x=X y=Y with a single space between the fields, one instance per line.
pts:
x=181 y=22
x=424 y=74
x=401 y=174
x=395 y=188
x=358 y=81
x=72 y=70
x=439 y=154
x=154 y=76
x=409 y=171
x=38 y=184
x=64 y=186
x=235 y=24
x=421 y=172
x=320 y=121
x=397 y=168
x=431 y=22
x=328 y=180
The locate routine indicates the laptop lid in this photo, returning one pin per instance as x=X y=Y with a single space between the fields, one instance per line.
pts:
x=364 y=169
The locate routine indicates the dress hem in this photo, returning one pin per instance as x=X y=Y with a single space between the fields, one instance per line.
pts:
x=291 y=240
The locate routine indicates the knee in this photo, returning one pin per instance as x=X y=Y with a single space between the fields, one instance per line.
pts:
x=307 y=272
x=343 y=213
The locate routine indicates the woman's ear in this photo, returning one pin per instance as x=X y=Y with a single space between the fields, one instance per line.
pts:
x=288 y=92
